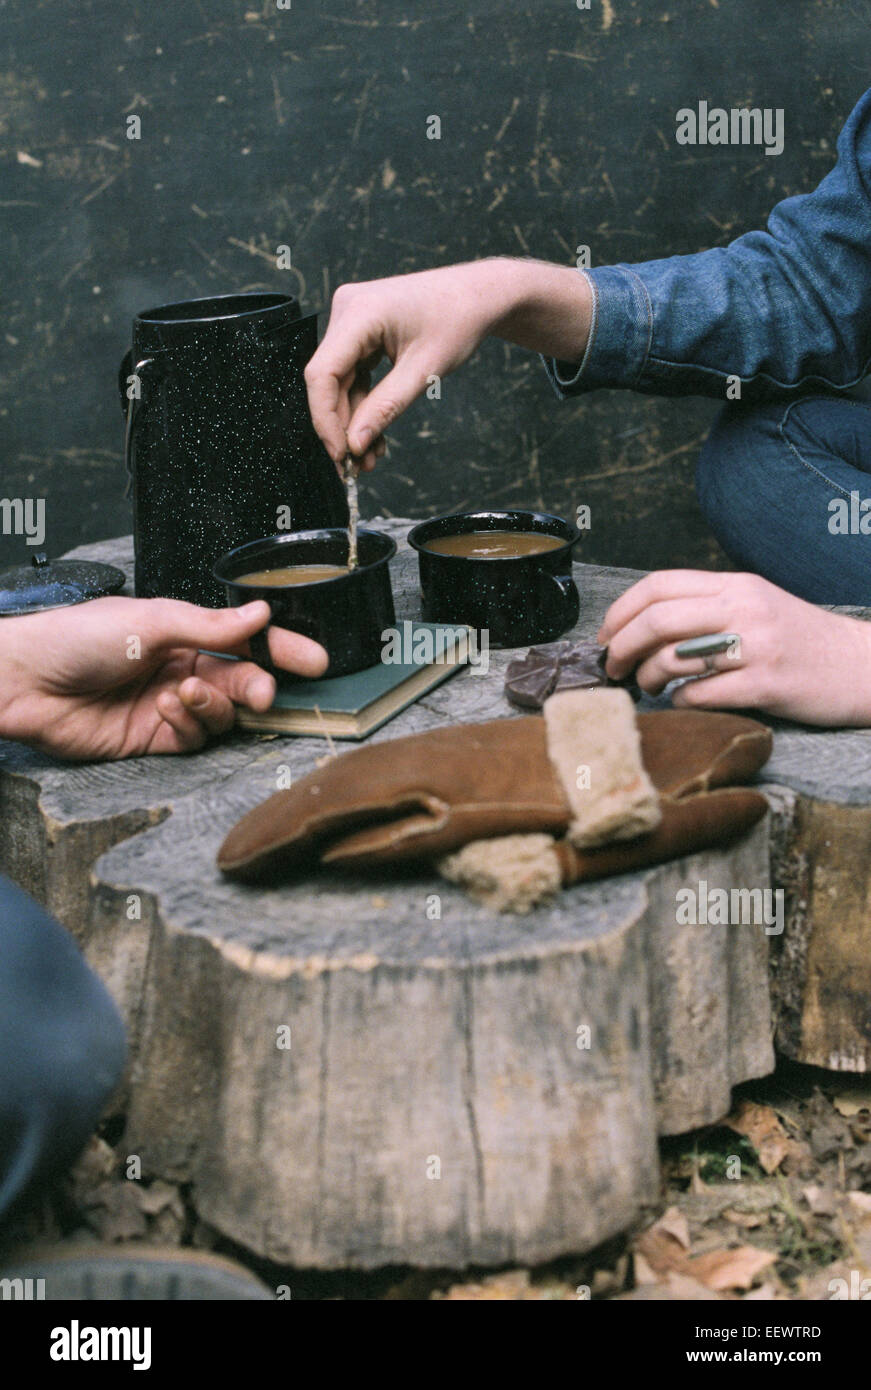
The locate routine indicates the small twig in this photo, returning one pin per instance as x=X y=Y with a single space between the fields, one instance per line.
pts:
x=353 y=509
x=331 y=753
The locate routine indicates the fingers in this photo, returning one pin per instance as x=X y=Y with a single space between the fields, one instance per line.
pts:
x=371 y=457
x=655 y=626
x=210 y=706
x=189 y=733
x=356 y=396
x=729 y=690
x=293 y=652
x=200 y=709
x=168 y=623
x=328 y=399
x=238 y=682
x=352 y=342
x=342 y=403
x=648 y=621
x=664 y=665
x=245 y=683
x=381 y=406
x=657 y=587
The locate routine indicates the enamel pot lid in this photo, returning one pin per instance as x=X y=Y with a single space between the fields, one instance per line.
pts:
x=48 y=583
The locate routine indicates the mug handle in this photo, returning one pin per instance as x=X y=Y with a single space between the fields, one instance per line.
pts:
x=129 y=406
x=569 y=599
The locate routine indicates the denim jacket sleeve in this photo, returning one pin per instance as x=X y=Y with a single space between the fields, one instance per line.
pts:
x=784 y=309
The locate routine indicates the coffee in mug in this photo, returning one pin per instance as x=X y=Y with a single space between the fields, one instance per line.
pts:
x=494 y=545
x=291 y=574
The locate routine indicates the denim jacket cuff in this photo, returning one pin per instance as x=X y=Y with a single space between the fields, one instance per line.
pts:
x=621 y=328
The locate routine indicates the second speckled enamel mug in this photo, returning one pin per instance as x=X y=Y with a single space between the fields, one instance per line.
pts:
x=220 y=446
x=518 y=601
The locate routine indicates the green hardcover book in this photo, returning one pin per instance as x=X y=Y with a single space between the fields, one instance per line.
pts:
x=352 y=707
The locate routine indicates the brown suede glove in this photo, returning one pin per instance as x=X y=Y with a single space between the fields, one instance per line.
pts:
x=424 y=796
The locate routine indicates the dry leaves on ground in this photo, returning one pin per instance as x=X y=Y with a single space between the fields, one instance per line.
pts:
x=513 y=1285
x=760 y=1124
x=664 y=1249
x=853 y=1102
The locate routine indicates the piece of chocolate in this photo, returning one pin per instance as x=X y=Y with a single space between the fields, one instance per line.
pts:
x=530 y=679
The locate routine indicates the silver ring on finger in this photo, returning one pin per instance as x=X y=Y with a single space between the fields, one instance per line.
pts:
x=708 y=647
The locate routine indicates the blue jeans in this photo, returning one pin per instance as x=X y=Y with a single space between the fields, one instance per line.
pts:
x=61 y=1048
x=782 y=487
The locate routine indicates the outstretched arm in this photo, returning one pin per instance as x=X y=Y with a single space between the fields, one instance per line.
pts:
x=427 y=324
x=783 y=309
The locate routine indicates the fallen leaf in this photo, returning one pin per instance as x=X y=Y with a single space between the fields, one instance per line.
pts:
x=662 y=1247
x=760 y=1125
x=748 y=1220
x=676 y=1287
x=731 y=1269
x=821 y=1200
x=861 y=1201
x=685 y=1286
x=658 y=1253
x=674 y=1223
x=643 y=1272
x=513 y=1285
x=852 y=1102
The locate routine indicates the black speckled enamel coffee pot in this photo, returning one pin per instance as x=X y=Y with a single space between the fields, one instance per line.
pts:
x=220 y=446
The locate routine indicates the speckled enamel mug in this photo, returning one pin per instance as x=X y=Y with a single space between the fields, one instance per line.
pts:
x=347 y=613
x=518 y=601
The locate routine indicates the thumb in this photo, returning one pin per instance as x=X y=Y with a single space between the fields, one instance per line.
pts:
x=173 y=623
x=385 y=402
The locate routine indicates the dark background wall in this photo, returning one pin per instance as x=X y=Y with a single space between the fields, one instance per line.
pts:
x=307 y=127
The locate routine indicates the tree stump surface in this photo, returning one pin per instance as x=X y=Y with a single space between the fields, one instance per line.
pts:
x=347 y=1080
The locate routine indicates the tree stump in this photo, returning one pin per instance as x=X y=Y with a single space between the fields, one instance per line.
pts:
x=821 y=859
x=359 y=1072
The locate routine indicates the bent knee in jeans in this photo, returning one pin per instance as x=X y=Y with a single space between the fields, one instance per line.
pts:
x=62 y=1047
x=774 y=482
